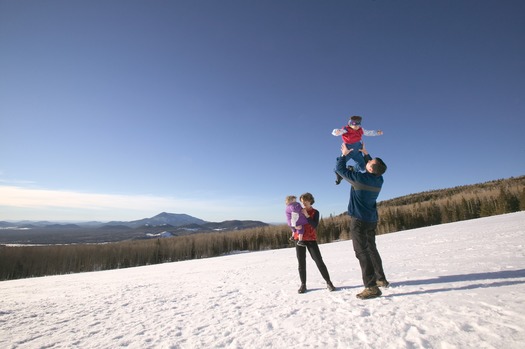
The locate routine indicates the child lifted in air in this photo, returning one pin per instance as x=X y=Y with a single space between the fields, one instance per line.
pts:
x=352 y=135
x=295 y=218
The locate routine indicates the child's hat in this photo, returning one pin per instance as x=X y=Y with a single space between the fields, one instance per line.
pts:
x=355 y=120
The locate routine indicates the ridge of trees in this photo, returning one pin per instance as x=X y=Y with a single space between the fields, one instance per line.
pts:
x=406 y=212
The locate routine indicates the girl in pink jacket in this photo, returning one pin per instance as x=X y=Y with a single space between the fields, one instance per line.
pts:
x=352 y=135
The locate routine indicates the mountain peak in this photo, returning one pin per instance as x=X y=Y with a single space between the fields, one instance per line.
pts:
x=167 y=214
x=173 y=219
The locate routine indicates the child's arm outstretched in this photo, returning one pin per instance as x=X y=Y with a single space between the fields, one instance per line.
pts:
x=338 y=131
x=372 y=132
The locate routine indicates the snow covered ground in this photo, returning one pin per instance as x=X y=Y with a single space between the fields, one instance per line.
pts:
x=459 y=285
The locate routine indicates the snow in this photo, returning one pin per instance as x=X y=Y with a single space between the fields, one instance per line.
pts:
x=458 y=285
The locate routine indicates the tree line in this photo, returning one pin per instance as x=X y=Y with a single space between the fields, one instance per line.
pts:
x=407 y=212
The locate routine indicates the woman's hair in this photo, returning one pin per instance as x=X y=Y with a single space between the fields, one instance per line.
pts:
x=307 y=197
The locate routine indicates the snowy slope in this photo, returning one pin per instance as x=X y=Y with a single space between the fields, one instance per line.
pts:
x=458 y=285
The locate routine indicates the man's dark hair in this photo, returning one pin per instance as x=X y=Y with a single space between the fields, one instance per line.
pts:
x=379 y=167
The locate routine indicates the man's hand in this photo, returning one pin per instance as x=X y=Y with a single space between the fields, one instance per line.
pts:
x=345 y=151
x=363 y=149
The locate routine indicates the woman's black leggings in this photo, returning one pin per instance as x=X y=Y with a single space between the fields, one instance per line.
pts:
x=315 y=253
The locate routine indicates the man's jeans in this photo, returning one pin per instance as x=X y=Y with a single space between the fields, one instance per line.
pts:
x=364 y=240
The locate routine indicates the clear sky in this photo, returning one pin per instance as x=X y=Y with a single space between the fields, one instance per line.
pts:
x=120 y=110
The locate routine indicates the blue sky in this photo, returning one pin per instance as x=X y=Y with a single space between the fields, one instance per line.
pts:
x=120 y=110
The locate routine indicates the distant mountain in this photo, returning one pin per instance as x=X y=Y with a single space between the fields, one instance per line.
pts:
x=63 y=226
x=159 y=226
x=4 y=224
x=164 y=218
x=199 y=227
x=183 y=222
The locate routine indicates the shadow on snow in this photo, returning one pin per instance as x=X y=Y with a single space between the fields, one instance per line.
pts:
x=498 y=275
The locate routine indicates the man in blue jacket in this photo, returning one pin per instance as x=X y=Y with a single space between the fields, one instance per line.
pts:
x=362 y=208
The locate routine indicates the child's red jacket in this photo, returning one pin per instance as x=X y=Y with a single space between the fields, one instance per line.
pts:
x=351 y=135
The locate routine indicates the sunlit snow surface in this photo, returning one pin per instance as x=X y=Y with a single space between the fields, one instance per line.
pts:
x=458 y=285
